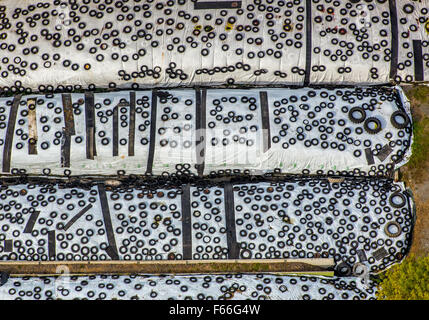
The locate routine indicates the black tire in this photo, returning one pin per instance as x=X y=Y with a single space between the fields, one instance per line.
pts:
x=245 y=254
x=392 y=234
x=4 y=276
x=377 y=124
x=395 y=123
x=395 y=204
x=408 y=8
x=357 y=110
x=343 y=270
x=356 y=267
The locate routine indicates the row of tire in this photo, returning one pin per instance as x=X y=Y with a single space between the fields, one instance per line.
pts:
x=365 y=222
x=82 y=40
x=189 y=287
x=363 y=130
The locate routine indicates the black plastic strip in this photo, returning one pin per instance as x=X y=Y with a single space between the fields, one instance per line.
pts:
x=308 y=42
x=394 y=40
x=65 y=149
x=186 y=222
x=7 y=148
x=418 y=60
x=233 y=248
x=51 y=244
x=198 y=123
x=32 y=121
x=8 y=246
x=90 y=126
x=152 y=132
x=68 y=131
x=108 y=222
x=76 y=217
x=68 y=114
x=379 y=253
x=203 y=131
x=217 y=5
x=361 y=255
x=201 y=96
x=32 y=148
x=31 y=222
x=112 y=253
x=266 y=140
x=132 y=125
x=115 y=138
x=384 y=152
x=369 y=156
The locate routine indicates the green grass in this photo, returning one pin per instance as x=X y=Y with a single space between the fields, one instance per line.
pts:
x=420 y=148
x=420 y=93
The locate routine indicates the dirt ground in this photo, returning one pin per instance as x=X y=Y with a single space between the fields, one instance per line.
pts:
x=416 y=173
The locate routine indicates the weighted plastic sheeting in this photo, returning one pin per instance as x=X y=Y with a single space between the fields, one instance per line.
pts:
x=304 y=218
x=201 y=131
x=53 y=44
x=179 y=287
